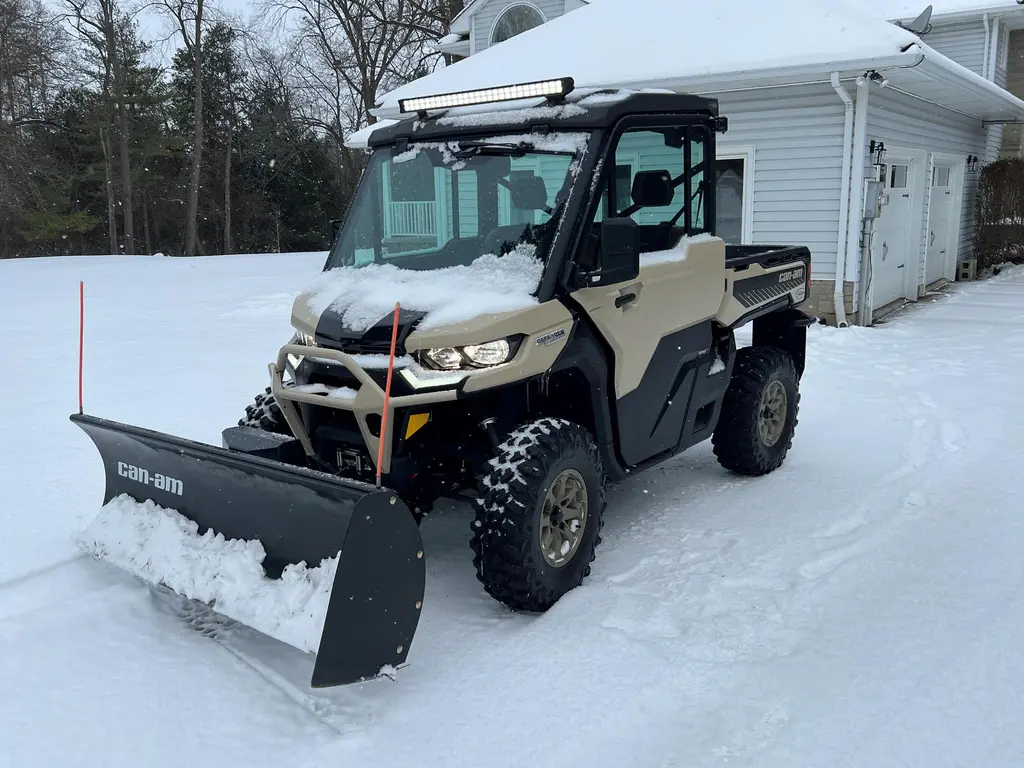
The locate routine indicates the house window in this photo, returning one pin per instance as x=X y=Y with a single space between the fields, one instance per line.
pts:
x=729 y=199
x=412 y=180
x=898 y=176
x=940 y=176
x=623 y=186
x=515 y=20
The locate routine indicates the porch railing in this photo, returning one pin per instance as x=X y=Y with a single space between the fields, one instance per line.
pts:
x=412 y=219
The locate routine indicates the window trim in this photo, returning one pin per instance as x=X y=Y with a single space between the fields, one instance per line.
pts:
x=504 y=11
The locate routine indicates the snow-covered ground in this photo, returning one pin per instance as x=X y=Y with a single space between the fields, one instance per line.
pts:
x=860 y=607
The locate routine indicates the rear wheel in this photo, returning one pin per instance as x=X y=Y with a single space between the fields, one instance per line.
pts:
x=759 y=412
x=539 y=516
x=264 y=413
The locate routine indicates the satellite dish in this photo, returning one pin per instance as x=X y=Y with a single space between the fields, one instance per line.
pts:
x=922 y=24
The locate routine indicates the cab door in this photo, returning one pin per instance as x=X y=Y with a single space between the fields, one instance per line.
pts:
x=659 y=325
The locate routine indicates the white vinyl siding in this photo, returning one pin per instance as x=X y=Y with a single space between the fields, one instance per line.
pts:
x=903 y=121
x=797 y=133
x=963 y=42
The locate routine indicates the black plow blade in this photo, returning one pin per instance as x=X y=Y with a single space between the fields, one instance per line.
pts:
x=355 y=603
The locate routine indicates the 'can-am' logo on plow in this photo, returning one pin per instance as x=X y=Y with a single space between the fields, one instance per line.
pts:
x=158 y=481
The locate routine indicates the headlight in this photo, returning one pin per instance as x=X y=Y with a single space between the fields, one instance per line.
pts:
x=491 y=353
x=484 y=355
x=445 y=358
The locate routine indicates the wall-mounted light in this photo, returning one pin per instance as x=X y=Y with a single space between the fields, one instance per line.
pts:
x=878 y=150
x=972 y=163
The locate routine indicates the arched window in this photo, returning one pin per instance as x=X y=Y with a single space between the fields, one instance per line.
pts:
x=514 y=20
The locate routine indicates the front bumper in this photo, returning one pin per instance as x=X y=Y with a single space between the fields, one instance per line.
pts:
x=363 y=402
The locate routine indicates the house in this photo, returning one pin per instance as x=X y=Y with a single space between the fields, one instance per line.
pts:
x=822 y=96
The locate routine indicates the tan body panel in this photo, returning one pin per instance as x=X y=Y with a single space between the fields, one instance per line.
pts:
x=304 y=319
x=671 y=296
x=547 y=327
x=754 y=287
x=549 y=322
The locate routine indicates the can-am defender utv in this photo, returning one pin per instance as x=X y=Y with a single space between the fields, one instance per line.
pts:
x=567 y=318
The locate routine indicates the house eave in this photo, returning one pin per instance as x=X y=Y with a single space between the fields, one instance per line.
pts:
x=941 y=81
x=750 y=80
x=462 y=24
x=975 y=14
x=453 y=44
x=740 y=80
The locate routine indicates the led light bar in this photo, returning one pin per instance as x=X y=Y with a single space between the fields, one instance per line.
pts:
x=543 y=88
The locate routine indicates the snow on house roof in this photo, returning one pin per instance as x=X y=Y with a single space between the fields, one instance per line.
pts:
x=601 y=44
x=706 y=47
x=907 y=10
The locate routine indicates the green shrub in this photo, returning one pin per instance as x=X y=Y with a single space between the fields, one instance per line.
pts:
x=999 y=214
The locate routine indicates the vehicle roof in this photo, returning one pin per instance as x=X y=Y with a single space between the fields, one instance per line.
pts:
x=580 y=111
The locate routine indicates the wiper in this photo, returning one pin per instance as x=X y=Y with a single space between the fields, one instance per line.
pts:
x=468 y=148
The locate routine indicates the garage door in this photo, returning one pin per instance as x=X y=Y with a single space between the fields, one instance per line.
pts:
x=891 y=250
x=940 y=212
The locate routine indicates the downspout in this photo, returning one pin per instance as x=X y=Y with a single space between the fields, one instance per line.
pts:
x=993 y=51
x=844 y=204
x=988 y=43
x=860 y=124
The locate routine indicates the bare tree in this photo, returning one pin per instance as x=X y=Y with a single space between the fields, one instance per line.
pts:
x=355 y=49
x=31 y=58
x=188 y=18
x=431 y=19
x=97 y=25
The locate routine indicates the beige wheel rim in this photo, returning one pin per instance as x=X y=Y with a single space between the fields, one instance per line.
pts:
x=563 y=518
x=772 y=417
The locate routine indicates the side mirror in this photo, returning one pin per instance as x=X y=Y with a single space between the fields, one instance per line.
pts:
x=653 y=189
x=620 y=253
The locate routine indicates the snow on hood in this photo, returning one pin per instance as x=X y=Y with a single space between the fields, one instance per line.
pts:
x=490 y=284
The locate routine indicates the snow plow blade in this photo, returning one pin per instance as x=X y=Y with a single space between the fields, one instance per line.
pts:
x=366 y=621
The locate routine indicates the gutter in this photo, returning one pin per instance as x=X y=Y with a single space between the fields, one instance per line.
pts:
x=839 y=298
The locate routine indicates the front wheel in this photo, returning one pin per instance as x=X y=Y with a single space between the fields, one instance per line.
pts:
x=264 y=413
x=539 y=516
x=759 y=412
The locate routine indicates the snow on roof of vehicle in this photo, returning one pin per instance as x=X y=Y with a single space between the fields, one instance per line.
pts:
x=360 y=139
x=680 y=44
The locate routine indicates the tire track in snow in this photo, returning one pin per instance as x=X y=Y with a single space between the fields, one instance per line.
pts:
x=276 y=664
x=931 y=439
x=702 y=598
x=26 y=576
x=61 y=582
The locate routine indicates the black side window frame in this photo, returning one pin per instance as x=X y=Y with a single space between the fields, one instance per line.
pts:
x=697 y=127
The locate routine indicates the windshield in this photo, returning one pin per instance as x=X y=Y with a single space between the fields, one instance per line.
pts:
x=438 y=205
